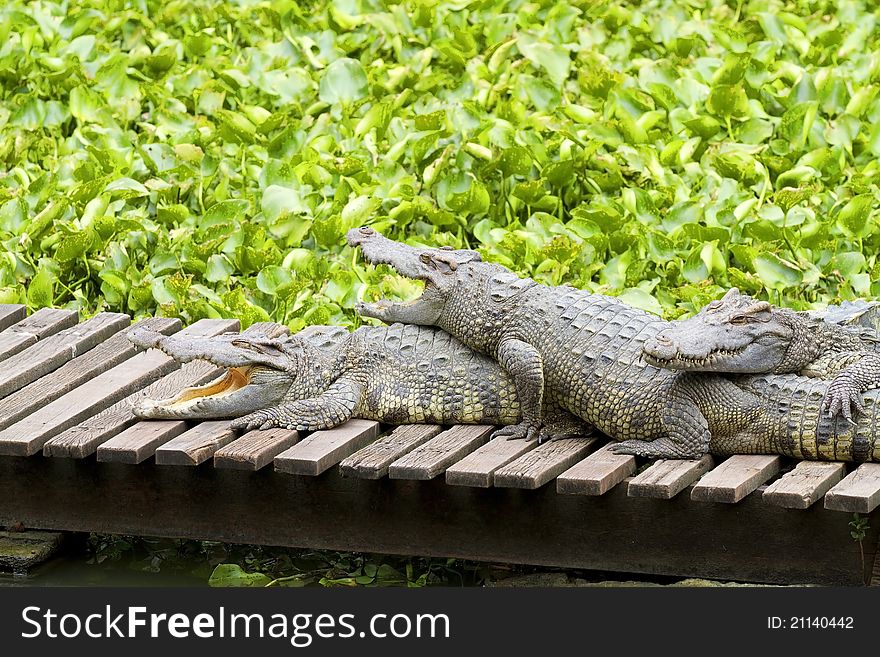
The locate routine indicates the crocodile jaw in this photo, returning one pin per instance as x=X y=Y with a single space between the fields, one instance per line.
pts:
x=231 y=394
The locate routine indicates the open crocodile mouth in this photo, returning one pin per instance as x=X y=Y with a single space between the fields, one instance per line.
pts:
x=231 y=381
x=686 y=362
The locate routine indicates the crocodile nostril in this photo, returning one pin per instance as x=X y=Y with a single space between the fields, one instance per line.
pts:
x=366 y=230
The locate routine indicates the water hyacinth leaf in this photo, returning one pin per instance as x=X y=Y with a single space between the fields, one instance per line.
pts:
x=855 y=217
x=776 y=273
x=344 y=81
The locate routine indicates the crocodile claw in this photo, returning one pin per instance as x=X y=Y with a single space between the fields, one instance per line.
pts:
x=843 y=398
x=525 y=430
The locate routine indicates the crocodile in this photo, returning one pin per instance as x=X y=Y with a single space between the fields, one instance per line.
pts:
x=583 y=352
x=427 y=376
x=739 y=334
x=324 y=375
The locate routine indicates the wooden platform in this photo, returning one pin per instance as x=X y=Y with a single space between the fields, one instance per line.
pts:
x=74 y=457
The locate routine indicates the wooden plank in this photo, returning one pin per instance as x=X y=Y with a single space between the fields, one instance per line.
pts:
x=859 y=492
x=478 y=468
x=83 y=368
x=597 y=474
x=49 y=354
x=196 y=445
x=431 y=458
x=255 y=449
x=30 y=434
x=372 y=461
x=804 y=485
x=665 y=479
x=542 y=464
x=84 y=438
x=10 y=313
x=323 y=449
x=752 y=541
x=139 y=442
x=735 y=478
x=43 y=323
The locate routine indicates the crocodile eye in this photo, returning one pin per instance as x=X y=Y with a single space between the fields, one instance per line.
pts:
x=740 y=319
x=424 y=257
x=250 y=346
x=715 y=305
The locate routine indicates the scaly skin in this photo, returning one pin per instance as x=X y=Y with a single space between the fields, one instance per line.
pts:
x=324 y=375
x=420 y=374
x=582 y=352
x=738 y=334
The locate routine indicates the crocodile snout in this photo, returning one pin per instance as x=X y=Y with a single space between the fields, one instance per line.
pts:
x=356 y=235
x=660 y=347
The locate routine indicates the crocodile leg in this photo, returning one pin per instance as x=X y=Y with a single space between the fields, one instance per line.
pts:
x=330 y=409
x=687 y=435
x=525 y=365
x=845 y=391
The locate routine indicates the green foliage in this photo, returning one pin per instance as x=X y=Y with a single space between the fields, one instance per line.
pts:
x=205 y=158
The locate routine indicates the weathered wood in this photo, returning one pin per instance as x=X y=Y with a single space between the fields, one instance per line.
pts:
x=43 y=323
x=255 y=449
x=10 y=313
x=804 y=485
x=735 y=478
x=431 y=458
x=49 y=354
x=30 y=434
x=372 y=461
x=83 y=368
x=859 y=492
x=322 y=449
x=667 y=478
x=751 y=541
x=196 y=445
x=597 y=474
x=84 y=438
x=542 y=464
x=139 y=442
x=478 y=468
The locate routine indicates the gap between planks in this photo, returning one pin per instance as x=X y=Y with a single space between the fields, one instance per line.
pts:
x=478 y=468
x=431 y=458
x=542 y=464
x=323 y=449
x=372 y=461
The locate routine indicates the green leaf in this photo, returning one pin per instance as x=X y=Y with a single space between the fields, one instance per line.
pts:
x=776 y=273
x=552 y=57
x=855 y=217
x=232 y=575
x=344 y=81
x=40 y=291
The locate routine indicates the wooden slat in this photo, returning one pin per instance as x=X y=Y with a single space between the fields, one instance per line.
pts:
x=255 y=449
x=478 y=468
x=597 y=474
x=859 y=492
x=10 y=313
x=372 y=461
x=43 y=323
x=667 y=478
x=804 y=485
x=83 y=368
x=735 y=478
x=83 y=439
x=323 y=449
x=139 y=442
x=196 y=445
x=431 y=458
x=49 y=354
x=542 y=464
x=28 y=436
